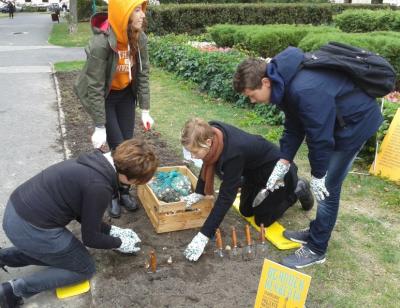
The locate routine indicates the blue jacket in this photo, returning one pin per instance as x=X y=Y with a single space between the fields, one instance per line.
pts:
x=311 y=100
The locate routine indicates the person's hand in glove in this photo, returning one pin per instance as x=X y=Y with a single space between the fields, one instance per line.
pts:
x=196 y=247
x=128 y=245
x=120 y=232
x=99 y=137
x=147 y=120
x=192 y=199
x=276 y=179
x=318 y=188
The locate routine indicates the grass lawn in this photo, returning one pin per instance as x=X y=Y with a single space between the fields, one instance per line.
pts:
x=69 y=66
x=363 y=259
x=61 y=36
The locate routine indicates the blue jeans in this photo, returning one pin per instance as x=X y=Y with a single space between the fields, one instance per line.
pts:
x=66 y=259
x=327 y=211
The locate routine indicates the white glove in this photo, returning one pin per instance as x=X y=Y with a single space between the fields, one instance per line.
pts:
x=318 y=188
x=99 y=137
x=119 y=232
x=276 y=179
x=128 y=245
x=196 y=247
x=147 y=120
x=192 y=199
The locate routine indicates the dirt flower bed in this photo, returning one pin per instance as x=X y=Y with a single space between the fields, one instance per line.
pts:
x=123 y=281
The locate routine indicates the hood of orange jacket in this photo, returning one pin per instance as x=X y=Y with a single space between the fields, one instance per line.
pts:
x=119 y=12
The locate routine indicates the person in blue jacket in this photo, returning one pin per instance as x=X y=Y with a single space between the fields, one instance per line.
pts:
x=334 y=116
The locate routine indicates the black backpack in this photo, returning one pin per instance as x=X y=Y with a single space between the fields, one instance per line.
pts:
x=369 y=71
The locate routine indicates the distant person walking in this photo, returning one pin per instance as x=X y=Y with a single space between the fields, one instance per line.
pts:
x=11 y=9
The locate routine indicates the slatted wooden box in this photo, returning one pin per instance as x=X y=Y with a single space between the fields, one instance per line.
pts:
x=173 y=216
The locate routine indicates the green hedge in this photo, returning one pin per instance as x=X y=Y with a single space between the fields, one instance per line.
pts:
x=31 y=8
x=368 y=20
x=193 y=18
x=270 y=40
x=212 y=71
x=264 y=41
x=338 y=8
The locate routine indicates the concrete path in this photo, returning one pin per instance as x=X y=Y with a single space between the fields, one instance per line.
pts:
x=29 y=124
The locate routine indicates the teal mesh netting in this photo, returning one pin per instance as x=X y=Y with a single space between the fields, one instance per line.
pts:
x=170 y=186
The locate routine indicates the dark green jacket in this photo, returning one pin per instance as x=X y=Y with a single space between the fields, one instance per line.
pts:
x=94 y=83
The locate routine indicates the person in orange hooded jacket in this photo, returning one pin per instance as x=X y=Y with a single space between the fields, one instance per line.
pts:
x=115 y=79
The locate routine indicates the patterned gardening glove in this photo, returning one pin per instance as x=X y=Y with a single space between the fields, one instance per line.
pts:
x=318 y=188
x=147 y=120
x=192 y=199
x=119 y=232
x=128 y=245
x=276 y=179
x=196 y=247
x=99 y=137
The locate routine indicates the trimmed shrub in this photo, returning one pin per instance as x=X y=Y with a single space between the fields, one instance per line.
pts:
x=193 y=18
x=368 y=20
x=264 y=41
x=338 y=8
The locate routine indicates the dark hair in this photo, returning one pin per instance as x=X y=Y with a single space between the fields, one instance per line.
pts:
x=136 y=160
x=248 y=75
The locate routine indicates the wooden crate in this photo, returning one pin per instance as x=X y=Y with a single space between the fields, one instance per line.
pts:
x=173 y=216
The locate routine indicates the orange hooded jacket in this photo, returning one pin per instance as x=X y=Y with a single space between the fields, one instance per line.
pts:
x=119 y=12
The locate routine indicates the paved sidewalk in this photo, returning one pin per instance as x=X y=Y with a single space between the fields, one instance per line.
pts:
x=29 y=119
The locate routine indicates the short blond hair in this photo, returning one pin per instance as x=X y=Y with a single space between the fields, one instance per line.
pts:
x=136 y=160
x=195 y=133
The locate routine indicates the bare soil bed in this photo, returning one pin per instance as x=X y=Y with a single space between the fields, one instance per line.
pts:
x=123 y=281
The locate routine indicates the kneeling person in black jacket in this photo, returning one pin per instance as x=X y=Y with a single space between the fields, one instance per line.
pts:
x=243 y=160
x=79 y=189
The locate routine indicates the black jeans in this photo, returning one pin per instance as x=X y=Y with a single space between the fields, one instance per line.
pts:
x=120 y=116
x=276 y=203
x=66 y=259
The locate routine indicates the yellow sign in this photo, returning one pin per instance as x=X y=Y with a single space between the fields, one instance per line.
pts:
x=387 y=162
x=281 y=287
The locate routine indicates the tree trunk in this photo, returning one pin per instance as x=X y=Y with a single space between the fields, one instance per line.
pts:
x=73 y=10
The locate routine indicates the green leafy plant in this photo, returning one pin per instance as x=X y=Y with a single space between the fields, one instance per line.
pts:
x=212 y=71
